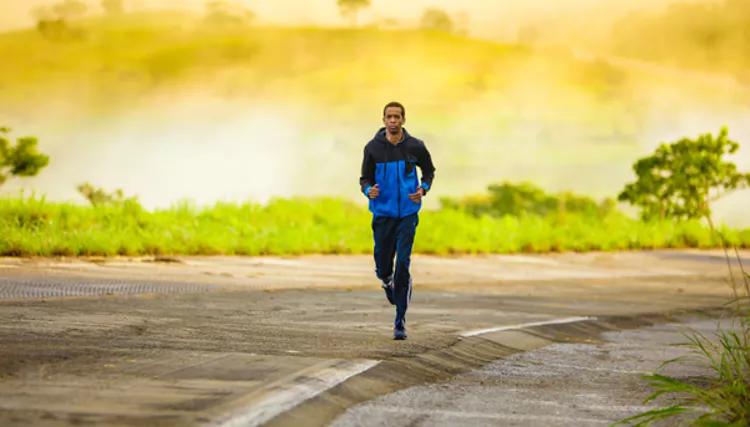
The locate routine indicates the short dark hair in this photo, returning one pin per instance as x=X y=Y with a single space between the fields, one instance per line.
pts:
x=395 y=104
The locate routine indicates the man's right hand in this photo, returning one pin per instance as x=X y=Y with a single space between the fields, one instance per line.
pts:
x=374 y=192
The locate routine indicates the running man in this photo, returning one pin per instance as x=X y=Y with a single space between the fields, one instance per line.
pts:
x=389 y=179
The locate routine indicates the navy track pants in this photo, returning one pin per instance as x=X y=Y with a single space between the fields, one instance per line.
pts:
x=394 y=237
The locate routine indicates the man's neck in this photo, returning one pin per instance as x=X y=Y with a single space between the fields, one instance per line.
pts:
x=394 y=138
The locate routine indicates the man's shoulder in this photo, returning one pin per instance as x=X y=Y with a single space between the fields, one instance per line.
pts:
x=416 y=141
x=369 y=144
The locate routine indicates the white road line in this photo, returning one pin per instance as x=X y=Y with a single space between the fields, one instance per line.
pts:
x=524 y=325
x=287 y=396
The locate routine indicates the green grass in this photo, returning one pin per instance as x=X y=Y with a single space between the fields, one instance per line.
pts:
x=33 y=227
x=723 y=399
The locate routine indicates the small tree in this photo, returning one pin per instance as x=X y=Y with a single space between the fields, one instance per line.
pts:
x=52 y=22
x=683 y=179
x=21 y=160
x=437 y=20
x=54 y=30
x=113 y=7
x=350 y=9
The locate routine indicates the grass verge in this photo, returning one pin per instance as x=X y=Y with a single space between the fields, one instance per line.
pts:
x=32 y=226
x=724 y=399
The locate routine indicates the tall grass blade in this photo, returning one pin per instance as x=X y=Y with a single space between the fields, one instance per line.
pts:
x=654 y=415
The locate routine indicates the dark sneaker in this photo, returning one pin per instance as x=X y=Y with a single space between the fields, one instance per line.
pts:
x=399 y=334
x=388 y=288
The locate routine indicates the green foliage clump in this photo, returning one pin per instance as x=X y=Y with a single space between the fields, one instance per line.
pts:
x=528 y=199
x=21 y=159
x=681 y=180
x=98 y=196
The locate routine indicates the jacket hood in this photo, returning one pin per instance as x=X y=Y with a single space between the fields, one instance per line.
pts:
x=380 y=135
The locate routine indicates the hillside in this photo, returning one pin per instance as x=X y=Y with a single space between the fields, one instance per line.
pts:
x=132 y=56
x=708 y=36
x=119 y=63
x=264 y=111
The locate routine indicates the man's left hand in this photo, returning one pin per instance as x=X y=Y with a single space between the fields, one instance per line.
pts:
x=417 y=197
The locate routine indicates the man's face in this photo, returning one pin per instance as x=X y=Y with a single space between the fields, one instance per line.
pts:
x=393 y=120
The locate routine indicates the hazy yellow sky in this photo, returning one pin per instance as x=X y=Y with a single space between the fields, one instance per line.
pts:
x=483 y=14
x=102 y=150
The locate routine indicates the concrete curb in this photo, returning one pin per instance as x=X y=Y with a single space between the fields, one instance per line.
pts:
x=466 y=354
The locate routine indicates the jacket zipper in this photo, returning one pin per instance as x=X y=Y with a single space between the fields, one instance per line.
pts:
x=398 y=175
x=398 y=179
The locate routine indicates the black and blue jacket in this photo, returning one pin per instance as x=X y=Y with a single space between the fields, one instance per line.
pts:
x=393 y=169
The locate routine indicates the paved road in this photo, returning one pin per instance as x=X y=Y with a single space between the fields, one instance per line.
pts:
x=247 y=341
x=594 y=383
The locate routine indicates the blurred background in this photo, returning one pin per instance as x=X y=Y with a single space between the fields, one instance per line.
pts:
x=238 y=100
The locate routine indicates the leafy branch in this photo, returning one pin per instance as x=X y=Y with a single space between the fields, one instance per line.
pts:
x=21 y=159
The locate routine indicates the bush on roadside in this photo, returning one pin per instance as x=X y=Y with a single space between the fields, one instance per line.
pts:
x=528 y=199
